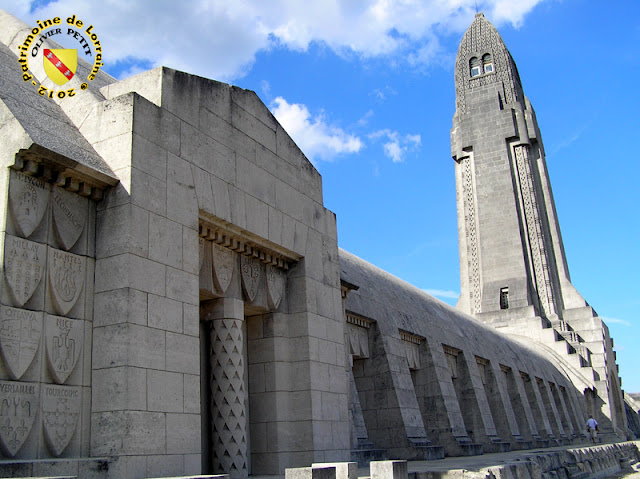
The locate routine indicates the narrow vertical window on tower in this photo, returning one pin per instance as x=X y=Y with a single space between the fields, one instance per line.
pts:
x=474 y=65
x=487 y=63
x=504 y=298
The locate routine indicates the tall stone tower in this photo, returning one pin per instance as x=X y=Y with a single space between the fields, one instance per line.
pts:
x=513 y=268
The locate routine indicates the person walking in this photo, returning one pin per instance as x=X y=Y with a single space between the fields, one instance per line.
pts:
x=592 y=428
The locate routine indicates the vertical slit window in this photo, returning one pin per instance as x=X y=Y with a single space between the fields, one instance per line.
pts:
x=504 y=298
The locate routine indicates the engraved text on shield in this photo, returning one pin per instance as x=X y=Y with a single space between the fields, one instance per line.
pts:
x=60 y=413
x=275 y=286
x=28 y=197
x=223 y=261
x=18 y=409
x=69 y=216
x=23 y=267
x=20 y=331
x=250 y=269
x=64 y=338
x=66 y=277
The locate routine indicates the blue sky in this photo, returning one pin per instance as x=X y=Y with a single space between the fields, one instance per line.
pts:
x=366 y=90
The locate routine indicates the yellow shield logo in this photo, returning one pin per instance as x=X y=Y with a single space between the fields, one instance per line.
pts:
x=60 y=64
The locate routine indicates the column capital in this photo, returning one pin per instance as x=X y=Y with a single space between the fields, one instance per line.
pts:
x=223 y=308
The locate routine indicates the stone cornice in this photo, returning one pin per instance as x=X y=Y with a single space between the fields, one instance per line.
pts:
x=51 y=167
x=358 y=320
x=243 y=242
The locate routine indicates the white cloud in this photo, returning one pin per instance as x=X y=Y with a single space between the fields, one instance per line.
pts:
x=365 y=118
x=220 y=39
x=616 y=321
x=315 y=137
x=396 y=146
x=265 y=86
x=442 y=293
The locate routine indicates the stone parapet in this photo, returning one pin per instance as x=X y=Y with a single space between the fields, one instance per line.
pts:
x=580 y=463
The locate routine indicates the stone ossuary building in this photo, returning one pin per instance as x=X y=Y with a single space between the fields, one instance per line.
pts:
x=173 y=300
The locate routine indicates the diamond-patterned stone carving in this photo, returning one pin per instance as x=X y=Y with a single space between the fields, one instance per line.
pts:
x=250 y=272
x=276 y=280
x=64 y=338
x=472 y=237
x=543 y=283
x=18 y=409
x=20 y=332
x=228 y=397
x=28 y=198
x=24 y=263
x=69 y=216
x=66 y=276
x=60 y=413
x=223 y=261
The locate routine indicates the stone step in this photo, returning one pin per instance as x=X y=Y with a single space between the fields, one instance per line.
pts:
x=431 y=453
x=472 y=449
x=522 y=444
x=364 y=456
x=498 y=446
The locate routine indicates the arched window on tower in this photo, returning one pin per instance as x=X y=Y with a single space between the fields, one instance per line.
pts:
x=474 y=65
x=487 y=63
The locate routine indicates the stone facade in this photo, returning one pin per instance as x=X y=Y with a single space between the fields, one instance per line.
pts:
x=173 y=300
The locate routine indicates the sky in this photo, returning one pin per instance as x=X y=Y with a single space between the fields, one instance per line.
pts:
x=365 y=88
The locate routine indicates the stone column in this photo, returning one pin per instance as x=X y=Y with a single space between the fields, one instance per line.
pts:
x=228 y=393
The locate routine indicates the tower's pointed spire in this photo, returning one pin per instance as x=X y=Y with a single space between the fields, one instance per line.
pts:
x=483 y=58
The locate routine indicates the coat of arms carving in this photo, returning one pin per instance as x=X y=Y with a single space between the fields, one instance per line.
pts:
x=60 y=412
x=223 y=261
x=28 y=198
x=20 y=332
x=250 y=273
x=206 y=266
x=64 y=339
x=69 y=216
x=201 y=243
x=66 y=279
x=23 y=267
x=275 y=286
x=18 y=409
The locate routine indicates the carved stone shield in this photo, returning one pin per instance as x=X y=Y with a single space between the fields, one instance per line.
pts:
x=20 y=332
x=69 y=216
x=18 y=408
x=66 y=279
x=275 y=286
x=64 y=339
x=28 y=198
x=60 y=412
x=23 y=267
x=250 y=273
x=200 y=252
x=206 y=266
x=223 y=261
